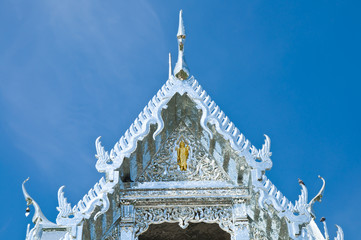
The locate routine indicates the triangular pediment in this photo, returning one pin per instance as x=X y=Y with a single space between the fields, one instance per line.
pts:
x=218 y=153
x=165 y=166
x=184 y=161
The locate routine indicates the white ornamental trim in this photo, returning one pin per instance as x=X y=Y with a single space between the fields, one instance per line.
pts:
x=97 y=196
x=259 y=160
x=298 y=215
x=183 y=216
x=140 y=128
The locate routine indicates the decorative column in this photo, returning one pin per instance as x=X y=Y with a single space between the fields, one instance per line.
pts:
x=240 y=220
x=127 y=221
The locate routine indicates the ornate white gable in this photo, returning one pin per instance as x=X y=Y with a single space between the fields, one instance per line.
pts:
x=159 y=191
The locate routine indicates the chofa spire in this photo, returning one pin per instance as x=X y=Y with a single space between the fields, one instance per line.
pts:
x=181 y=70
x=38 y=215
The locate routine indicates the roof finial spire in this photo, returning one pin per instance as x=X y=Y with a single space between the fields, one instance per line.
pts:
x=181 y=30
x=181 y=70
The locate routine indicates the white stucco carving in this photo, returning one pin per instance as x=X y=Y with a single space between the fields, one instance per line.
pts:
x=203 y=169
x=201 y=166
x=38 y=216
x=339 y=233
x=317 y=198
x=97 y=196
x=183 y=216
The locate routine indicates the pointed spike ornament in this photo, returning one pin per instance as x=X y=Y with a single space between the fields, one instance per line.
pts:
x=181 y=30
x=323 y=220
x=340 y=235
x=181 y=70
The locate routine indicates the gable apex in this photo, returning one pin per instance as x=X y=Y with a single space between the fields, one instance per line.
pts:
x=211 y=113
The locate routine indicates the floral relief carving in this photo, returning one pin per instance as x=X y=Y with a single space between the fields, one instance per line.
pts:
x=183 y=216
x=200 y=165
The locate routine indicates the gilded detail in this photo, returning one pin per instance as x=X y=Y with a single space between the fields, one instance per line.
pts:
x=182 y=155
x=200 y=165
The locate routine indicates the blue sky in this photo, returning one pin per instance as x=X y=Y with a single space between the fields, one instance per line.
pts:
x=71 y=71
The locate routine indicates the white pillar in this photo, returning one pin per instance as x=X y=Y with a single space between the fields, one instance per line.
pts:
x=240 y=221
x=127 y=222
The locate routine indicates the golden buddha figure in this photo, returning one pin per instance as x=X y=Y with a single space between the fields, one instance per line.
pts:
x=182 y=155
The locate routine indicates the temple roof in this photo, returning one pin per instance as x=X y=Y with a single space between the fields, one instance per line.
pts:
x=299 y=215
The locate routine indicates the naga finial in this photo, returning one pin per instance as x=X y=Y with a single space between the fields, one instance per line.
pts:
x=64 y=207
x=38 y=215
x=317 y=198
x=181 y=70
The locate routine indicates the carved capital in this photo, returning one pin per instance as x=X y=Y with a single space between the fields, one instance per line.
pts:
x=126 y=202
x=127 y=213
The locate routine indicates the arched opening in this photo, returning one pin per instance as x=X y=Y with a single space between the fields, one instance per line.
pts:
x=195 y=231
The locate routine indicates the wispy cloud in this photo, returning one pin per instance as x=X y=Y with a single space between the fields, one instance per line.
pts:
x=79 y=52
